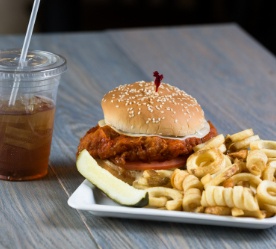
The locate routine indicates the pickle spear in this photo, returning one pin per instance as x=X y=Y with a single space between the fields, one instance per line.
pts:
x=113 y=187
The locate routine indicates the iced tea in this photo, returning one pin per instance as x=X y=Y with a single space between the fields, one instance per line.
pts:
x=25 y=138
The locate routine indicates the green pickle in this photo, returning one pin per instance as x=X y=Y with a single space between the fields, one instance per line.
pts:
x=114 y=188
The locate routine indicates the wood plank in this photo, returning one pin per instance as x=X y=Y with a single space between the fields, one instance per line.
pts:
x=34 y=214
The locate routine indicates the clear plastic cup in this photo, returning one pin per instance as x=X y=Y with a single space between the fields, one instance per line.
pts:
x=26 y=125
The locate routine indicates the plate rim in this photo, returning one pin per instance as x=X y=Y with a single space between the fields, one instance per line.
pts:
x=83 y=199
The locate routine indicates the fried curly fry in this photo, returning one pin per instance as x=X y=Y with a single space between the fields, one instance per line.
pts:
x=158 y=202
x=157 y=177
x=227 y=161
x=241 y=135
x=182 y=180
x=243 y=144
x=248 y=203
x=222 y=148
x=191 y=181
x=269 y=153
x=233 y=175
x=267 y=146
x=218 y=196
x=191 y=200
x=237 y=212
x=205 y=179
x=214 y=142
x=205 y=162
x=240 y=178
x=222 y=175
x=138 y=185
x=178 y=177
x=174 y=201
x=242 y=198
x=153 y=178
x=218 y=210
x=269 y=172
x=241 y=155
x=256 y=162
x=228 y=197
x=271 y=209
x=266 y=192
x=263 y=144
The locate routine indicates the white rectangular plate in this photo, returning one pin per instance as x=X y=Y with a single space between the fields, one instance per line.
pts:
x=87 y=197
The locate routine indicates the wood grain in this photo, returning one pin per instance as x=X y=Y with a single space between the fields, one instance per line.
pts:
x=231 y=75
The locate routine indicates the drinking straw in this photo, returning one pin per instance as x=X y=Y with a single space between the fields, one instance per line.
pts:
x=24 y=50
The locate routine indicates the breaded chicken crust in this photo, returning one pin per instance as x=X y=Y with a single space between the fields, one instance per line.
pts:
x=106 y=143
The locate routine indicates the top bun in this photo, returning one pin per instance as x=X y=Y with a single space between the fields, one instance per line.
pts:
x=138 y=108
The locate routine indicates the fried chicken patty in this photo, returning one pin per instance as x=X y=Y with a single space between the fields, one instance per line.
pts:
x=105 y=143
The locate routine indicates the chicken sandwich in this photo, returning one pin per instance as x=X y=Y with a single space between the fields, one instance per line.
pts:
x=146 y=126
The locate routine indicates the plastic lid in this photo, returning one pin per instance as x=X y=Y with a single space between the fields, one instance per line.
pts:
x=39 y=65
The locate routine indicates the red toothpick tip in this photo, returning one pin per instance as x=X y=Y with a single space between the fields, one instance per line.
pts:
x=158 y=79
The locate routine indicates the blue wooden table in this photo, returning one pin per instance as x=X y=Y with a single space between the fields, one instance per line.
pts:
x=231 y=75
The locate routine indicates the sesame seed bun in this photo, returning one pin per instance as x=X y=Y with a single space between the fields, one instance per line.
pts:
x=138 y=108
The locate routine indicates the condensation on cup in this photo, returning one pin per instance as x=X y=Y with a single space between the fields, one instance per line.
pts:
x=26 y=124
